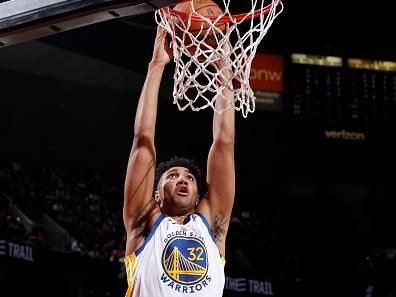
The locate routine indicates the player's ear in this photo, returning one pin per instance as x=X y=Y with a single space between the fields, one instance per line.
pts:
x=197 y=201
x=157 y=198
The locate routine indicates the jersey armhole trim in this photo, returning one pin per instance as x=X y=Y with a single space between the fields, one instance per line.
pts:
x=222 y=260
x=205 y=221
x=152 y=231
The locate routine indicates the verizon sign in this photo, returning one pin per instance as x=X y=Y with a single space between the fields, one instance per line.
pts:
x=343 y=135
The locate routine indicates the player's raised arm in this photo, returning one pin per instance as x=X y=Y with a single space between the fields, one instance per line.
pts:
x=139 y=207
x=220 y=166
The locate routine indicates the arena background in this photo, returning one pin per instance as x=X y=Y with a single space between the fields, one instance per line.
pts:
x=314 y=211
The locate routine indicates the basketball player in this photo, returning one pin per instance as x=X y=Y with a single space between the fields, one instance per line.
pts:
x=176 y=238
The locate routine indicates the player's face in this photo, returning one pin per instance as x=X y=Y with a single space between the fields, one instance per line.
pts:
x=178 y=191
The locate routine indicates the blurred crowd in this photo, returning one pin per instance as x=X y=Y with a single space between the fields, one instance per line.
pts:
x=307 y=243
x=85 y=204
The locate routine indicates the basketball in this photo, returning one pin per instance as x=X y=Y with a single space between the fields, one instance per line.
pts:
x=206 y=8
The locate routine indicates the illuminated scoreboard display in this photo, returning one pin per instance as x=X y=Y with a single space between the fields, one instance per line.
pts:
x=372 y=89
x=331 y=88
x=316 y=86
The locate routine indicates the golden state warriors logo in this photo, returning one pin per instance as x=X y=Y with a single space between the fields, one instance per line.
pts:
x=185 y=260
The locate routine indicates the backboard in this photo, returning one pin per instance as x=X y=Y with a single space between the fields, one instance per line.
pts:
x=23 y=20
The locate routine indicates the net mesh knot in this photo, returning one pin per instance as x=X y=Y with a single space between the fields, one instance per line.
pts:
x=217 y=56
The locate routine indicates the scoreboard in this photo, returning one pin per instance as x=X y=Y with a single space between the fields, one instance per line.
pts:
x=335 y=88
x=372 y=89
x=317 y=86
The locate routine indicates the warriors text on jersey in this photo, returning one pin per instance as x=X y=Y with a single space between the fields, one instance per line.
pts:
x=176 y=260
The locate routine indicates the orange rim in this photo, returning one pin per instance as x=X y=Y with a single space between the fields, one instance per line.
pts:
x=225 y=19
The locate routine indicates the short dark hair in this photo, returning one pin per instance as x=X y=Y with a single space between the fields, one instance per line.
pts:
x=179 y=162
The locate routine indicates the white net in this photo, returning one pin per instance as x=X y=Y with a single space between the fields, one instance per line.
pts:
x=199 y=80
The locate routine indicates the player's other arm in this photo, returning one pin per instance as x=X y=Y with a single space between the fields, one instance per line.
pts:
x=217 y=205
x=139 y=207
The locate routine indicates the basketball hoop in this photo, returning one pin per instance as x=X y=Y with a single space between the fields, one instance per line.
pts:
x=198 y=79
